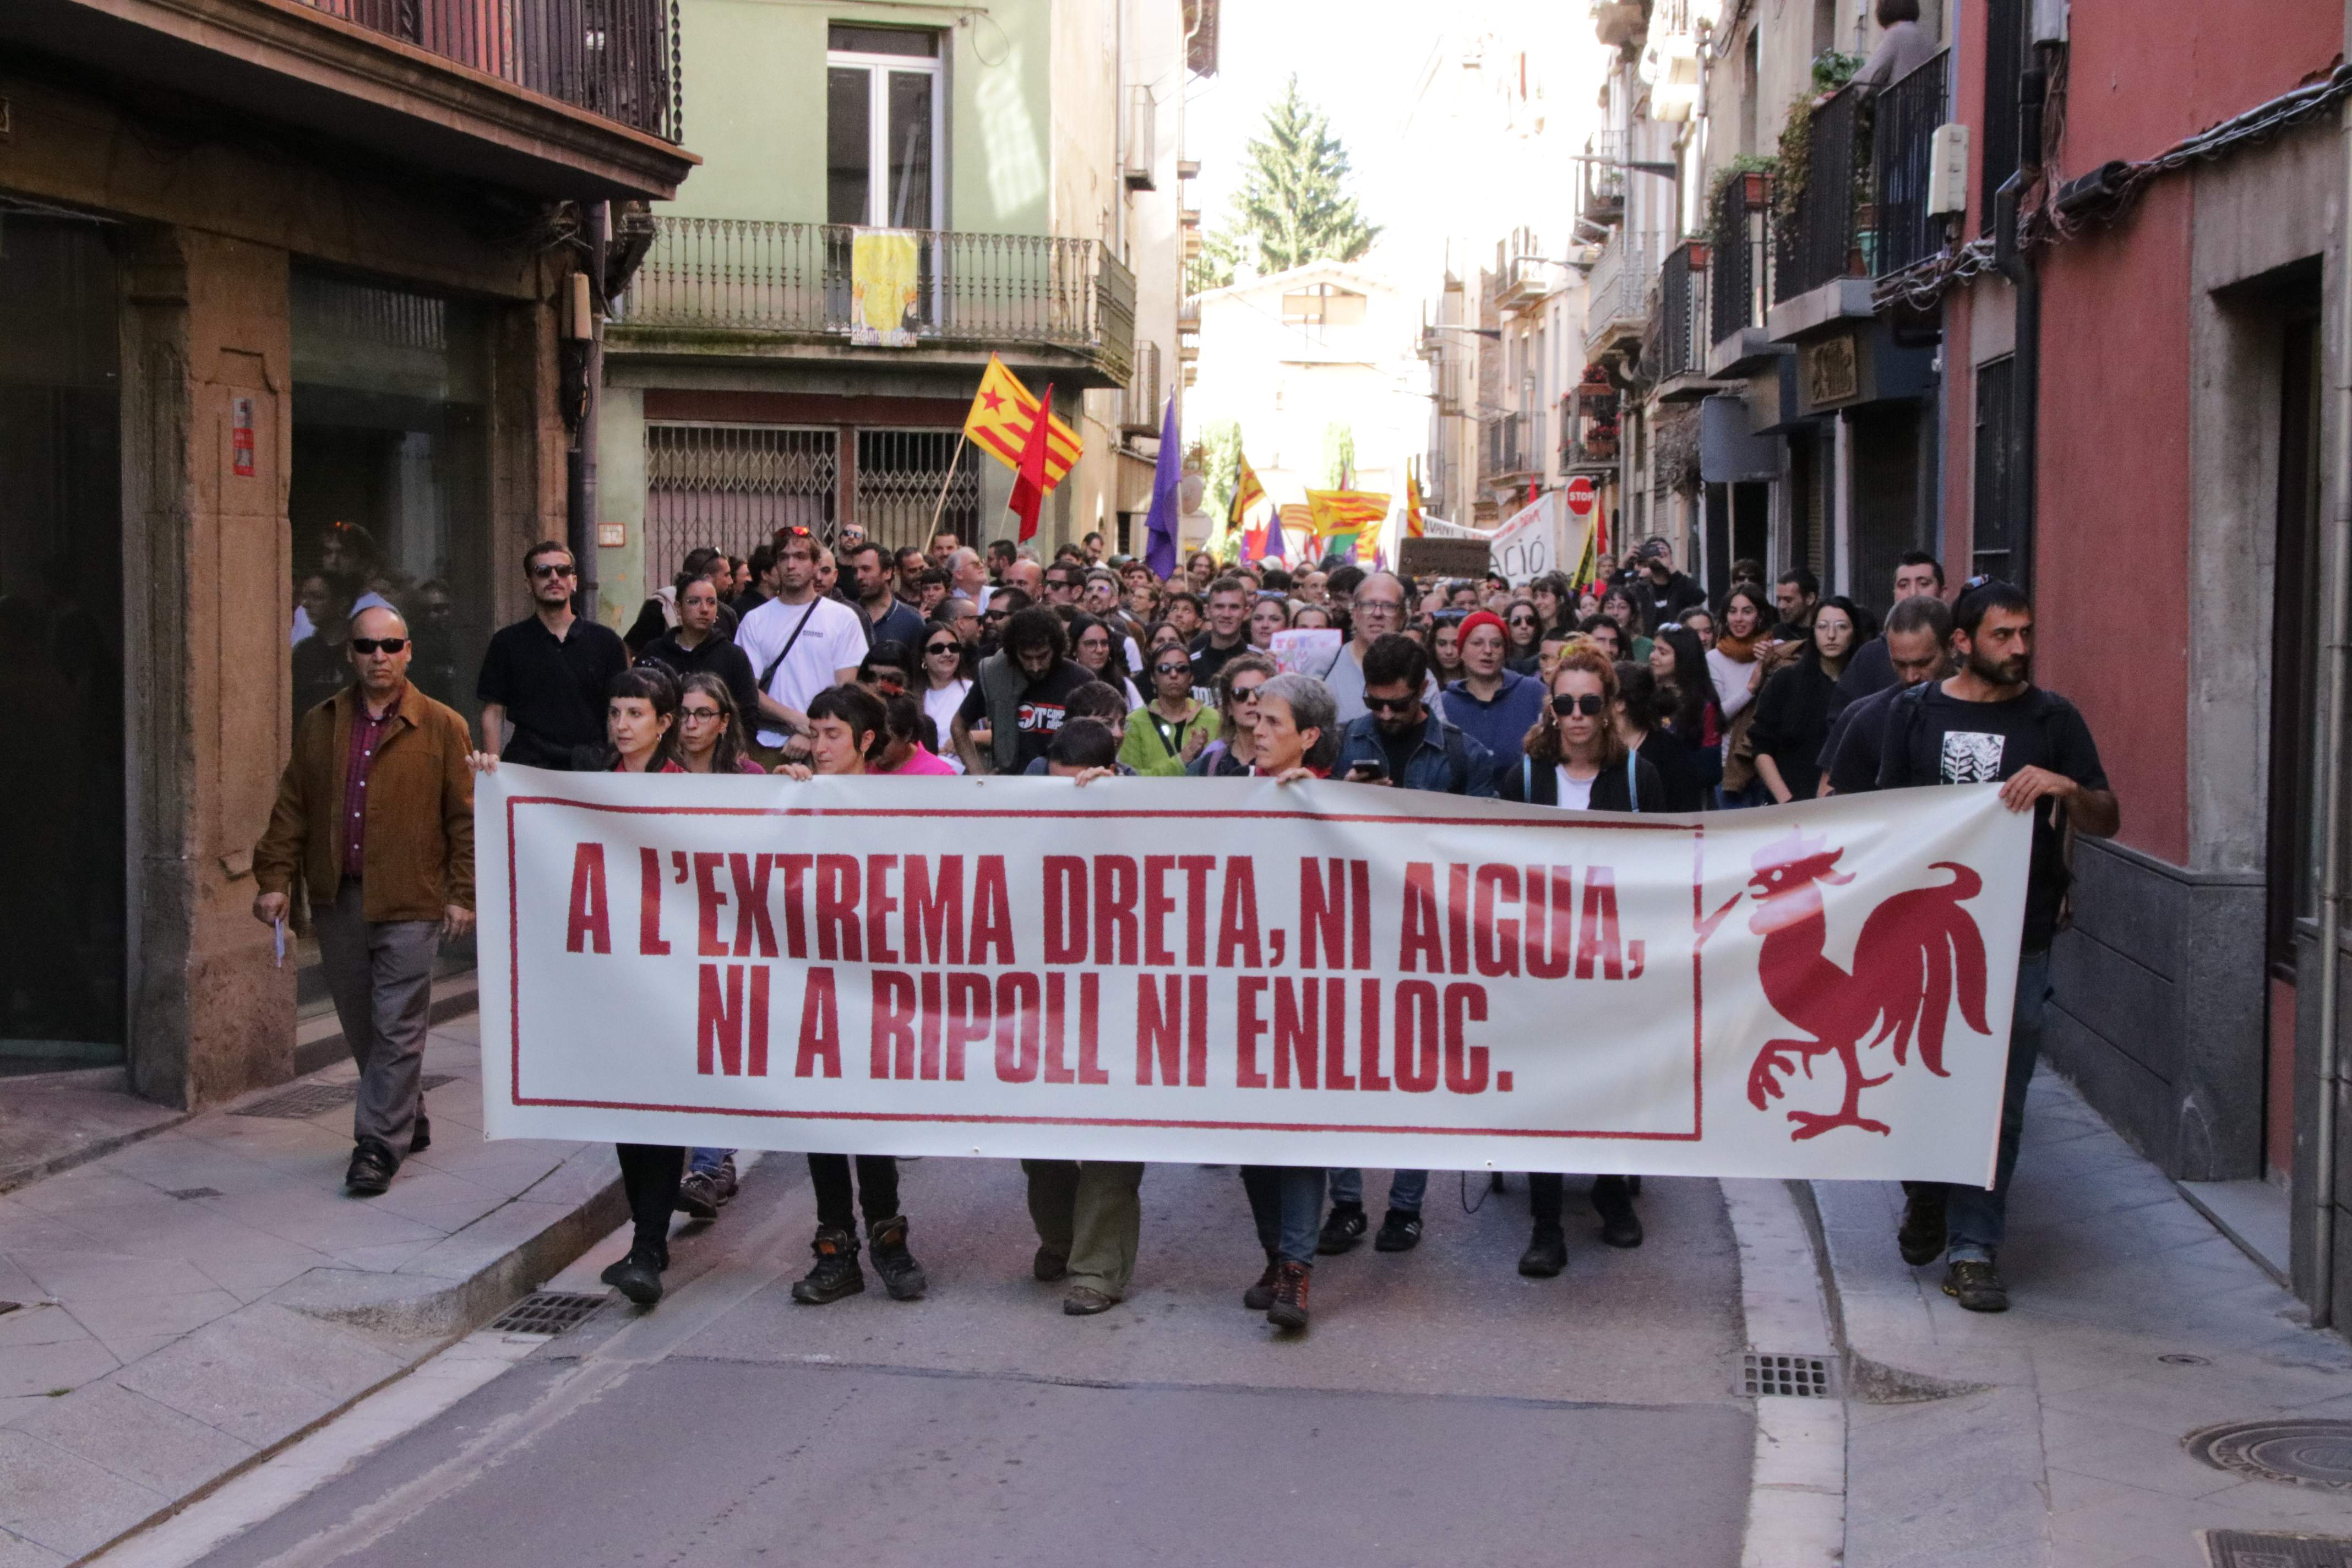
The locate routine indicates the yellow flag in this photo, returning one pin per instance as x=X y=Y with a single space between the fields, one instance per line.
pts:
x=1000 y=420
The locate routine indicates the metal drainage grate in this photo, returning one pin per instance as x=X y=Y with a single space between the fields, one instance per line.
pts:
x=2246 y=1549
x=184 y=1194
x=308 y=1099
x=547 y=1312
x=1763 y=1372
x=2303 y=1452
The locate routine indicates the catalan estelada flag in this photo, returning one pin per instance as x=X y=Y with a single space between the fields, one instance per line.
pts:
x=1247 y=493
x=1417 y=524
x=1343 y=520
x=1000 y=420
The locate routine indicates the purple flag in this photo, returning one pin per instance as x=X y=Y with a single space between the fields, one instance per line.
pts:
x=1167 y=475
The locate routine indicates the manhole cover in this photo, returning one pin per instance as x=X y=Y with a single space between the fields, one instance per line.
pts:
x=2245 y=1549
x=547 y=1312
x=2305 y=1452
x=1777 y=1373
x=307 y=1100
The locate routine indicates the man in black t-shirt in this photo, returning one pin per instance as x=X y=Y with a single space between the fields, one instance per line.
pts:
x=1989 y=724
x=1019 y=697
x=548 y=672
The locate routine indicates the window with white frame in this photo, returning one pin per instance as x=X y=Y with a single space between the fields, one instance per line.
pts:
x=883 y=139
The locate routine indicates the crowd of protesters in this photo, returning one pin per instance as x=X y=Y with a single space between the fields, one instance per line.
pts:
x=1634 y=691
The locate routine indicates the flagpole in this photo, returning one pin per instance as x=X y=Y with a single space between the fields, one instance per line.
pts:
x=940 y=509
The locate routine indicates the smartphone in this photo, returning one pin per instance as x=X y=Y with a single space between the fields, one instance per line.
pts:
x=1367 y=770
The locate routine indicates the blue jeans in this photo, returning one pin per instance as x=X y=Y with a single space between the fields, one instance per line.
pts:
x=705 y=1160
x=1976 y=1218
x=1405 y=1188
x=1286 y=1202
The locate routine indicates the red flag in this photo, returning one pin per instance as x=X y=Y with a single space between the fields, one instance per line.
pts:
x=1030 y=484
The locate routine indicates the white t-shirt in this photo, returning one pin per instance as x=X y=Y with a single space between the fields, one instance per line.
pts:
x=1731 y=679
x=941 y=702
x=1575 y=794
x=834 y=640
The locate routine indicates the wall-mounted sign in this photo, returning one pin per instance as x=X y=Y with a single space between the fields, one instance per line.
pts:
x=1833 y=371
x=240 y=438
x=611 y=535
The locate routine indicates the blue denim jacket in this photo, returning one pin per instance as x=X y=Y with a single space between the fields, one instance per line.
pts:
x=1447 y=760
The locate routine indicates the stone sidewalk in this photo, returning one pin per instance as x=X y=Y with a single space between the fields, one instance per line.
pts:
x=198 y=1297
x=2052 y=1434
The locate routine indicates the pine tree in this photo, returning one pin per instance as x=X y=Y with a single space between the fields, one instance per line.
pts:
x=1292 y=207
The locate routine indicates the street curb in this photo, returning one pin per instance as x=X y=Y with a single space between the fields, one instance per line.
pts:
x=1796 y=1493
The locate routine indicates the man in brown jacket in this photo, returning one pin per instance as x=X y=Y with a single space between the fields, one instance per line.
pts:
x=375 y=815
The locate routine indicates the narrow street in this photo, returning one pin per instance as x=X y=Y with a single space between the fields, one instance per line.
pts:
x=731 y=1424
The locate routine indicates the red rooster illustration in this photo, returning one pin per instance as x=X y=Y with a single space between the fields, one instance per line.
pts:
x=1919 y=948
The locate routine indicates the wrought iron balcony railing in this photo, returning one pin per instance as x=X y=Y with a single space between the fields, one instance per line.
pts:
x=1821 y=236
x=1739 y=287
x=746 y=275
x=1902 y=132
x=1617 y=294
x=1605 y=178
x=616 y=58
x=1683 y=311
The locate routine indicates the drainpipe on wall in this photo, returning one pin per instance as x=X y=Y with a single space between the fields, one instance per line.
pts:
x=581 y=474
x=2332 y=812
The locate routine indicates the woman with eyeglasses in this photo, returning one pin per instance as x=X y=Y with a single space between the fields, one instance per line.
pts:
x=945 y=681
x=1235 y=751
x=1792 y=711
x=1095 y=649
x=1576 y=758
x=1165 y=734
x=1523 y=627
x=711 y=728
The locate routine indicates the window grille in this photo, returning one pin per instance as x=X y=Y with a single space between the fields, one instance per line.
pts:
x=899 y=474
x=731 y=487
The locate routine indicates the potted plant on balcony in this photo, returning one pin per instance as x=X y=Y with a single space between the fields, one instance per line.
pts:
x=1750 y=172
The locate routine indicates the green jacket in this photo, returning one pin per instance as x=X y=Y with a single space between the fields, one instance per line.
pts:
x=1146 y=748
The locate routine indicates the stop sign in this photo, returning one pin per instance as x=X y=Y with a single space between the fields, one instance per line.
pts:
x=1582 y=498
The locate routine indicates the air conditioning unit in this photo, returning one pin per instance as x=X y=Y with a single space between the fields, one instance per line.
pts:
x=1142 y=140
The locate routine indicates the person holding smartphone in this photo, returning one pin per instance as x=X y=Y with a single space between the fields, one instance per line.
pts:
x=1397 y=744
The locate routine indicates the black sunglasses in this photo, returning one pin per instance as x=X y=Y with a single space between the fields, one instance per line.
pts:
x=1391 y=704
x=565 y=570
x=1184 y=668
x=378 y=644
x=1591 y=704
x=938 y=647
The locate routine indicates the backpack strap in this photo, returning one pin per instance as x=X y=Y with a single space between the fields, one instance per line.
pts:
x=1528 y=780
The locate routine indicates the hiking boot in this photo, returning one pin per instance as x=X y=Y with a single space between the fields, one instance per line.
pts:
x=1342 y=1230
x=698 y=1196
x=1400 y=1232
x=837 y=1273
x=1975 y=1287
x=1612 y=1200
x=1547 y=1253
x=1049 y=1265
x=637 y=1277
x=371 y=1170
x=1085 y=1301
x=420 y=1137
x=901 y=1275
x=1289 y=1309
x=1260 y=1295
x=1921 y=1238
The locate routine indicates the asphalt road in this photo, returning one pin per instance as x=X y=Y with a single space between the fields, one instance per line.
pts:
x=1442 y=1410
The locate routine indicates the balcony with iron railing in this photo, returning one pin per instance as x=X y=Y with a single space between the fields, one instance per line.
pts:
x=1617 y=293
x=1511 y=451
x=1604 y=176
x=1739 y=286
x=1588 y=434
x=740 y=287
x=1903 y=134
x=563 y=99
x=1683 y=323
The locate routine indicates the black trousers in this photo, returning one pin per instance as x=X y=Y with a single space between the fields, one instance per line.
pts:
x=649 y=1176
x=1544 y=1190
x=878 y=1182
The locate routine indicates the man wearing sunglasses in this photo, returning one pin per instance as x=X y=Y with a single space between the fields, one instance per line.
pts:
x=375 y=811
x=1400 y=743
x=546 y=674
x=1375 y=603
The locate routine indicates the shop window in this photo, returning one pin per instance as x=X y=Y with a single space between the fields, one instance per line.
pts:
x=61 y=778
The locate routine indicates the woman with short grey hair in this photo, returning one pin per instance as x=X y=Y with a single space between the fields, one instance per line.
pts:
x=1312 y=709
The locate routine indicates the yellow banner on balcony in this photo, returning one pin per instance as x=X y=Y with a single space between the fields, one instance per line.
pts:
x=884 y=266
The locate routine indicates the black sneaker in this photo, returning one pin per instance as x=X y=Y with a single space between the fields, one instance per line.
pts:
x=421 y=1138
x=1049 y=1265
x=727 y=1183
x=1547 y=1253
x=698 y=1196
x=372 y=1169
x=1290 y=1308
x=637 y=1277
x=1612 y=1200
x=1260 y=1295
x=1400 y=1232
x=901 y=1275
x=1975 y=1287
x=1342 y=1230
x=837 y=1273
x=1921 y=1238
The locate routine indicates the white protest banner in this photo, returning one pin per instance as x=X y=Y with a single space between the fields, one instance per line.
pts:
x=1546 y=535
x=1312 y=651
x=1237 y=971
